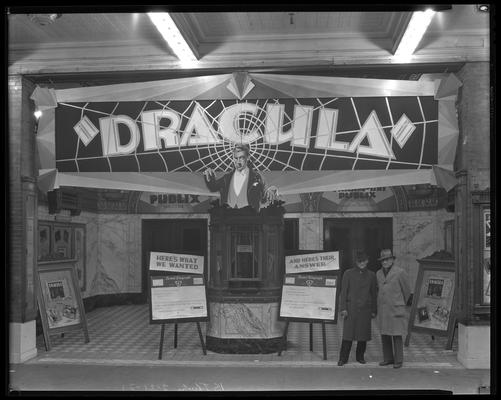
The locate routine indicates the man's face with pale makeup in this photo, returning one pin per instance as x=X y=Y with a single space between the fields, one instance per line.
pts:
x=362 y=264
x=240 y=159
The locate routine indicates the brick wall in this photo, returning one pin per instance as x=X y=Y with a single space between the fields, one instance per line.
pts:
x=474 y=124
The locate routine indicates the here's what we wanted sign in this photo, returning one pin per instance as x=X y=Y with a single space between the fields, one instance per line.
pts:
x=179 y=294
x=171 y=262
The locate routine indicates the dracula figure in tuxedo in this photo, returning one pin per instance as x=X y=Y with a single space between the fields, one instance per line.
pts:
x=242 y=187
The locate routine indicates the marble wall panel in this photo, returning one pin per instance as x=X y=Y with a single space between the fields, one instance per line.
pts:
x=310 y=232
x=119 y=253
x=417 y=235
x=244 y=320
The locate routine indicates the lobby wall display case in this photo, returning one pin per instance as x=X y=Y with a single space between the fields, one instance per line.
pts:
x=449 y=236
x=59 y=242
x=433 y=305
x=481 y=253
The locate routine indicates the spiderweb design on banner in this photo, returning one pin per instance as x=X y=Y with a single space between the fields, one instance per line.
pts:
x=284 y=134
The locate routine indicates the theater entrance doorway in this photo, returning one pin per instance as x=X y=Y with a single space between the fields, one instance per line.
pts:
x=181 y=236
x=347 y=235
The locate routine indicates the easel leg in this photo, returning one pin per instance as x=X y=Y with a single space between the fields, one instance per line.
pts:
x=161 y=347
x=201 y=338
x=324 y=341
x=450 y=339
x=407 y=340
x=285 y=338
x=175 y=336
x=46 y=337
x=311 y=336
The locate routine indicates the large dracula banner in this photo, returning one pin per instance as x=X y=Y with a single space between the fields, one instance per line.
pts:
x=284 y=134
x=309 y=126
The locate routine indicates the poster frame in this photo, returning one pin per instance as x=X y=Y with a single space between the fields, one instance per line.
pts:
x=437 y=266
x=68 y=270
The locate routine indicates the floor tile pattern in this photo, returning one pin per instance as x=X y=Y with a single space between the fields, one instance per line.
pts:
x=123 y=333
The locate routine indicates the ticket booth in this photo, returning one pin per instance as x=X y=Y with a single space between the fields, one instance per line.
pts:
x=246 y=272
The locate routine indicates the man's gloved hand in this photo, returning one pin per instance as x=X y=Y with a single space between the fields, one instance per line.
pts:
x=209 y=174
x=271 y=194
x=344 y=313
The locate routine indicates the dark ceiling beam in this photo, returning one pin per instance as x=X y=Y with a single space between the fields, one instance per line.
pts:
x=393 y=71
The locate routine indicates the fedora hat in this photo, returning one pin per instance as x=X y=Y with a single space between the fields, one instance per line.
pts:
x=386 y=253
x=361 y=256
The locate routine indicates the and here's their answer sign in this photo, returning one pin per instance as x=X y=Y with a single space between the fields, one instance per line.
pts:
x=305 y=263
x=172 y=262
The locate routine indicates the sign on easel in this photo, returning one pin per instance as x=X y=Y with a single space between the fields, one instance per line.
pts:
x=177 y=297
x=432 y=308
x=309 y=298
x=59 y=301
x=177 y=292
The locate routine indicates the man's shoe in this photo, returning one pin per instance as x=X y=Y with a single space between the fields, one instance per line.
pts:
x=399 y=365
x=361 y=361
x=340 y=363
x=383 y=363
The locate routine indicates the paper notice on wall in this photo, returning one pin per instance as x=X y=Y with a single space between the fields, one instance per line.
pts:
x=305 y=263
x=185 y=263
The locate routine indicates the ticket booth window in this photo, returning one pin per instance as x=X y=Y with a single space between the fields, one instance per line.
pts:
x=244 y=253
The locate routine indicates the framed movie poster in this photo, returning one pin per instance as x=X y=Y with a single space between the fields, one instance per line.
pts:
x=79 y=232
x=62 y=239
x=449 y=236
x=433 y=301
x=486 y=264
x=59 y=301
x=44 y=238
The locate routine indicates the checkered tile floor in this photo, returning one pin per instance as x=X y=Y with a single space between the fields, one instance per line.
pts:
x=124 y=334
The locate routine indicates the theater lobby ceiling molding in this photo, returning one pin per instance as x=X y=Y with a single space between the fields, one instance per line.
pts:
x=79 y=43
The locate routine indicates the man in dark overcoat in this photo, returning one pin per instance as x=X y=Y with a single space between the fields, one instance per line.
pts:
x=393 y=295
x=357 y=302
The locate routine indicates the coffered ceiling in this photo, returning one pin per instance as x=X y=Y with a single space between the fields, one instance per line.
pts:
x=90 y=43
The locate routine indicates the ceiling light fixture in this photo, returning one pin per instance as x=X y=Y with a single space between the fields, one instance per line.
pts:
x=416 y=28
x=43 y=19
x=171 y=34
x=483 y=7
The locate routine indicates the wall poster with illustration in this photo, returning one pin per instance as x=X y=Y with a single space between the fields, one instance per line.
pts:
x=62 y=239
x=59 y=241
x=59 y=301
x=433 y=301
x=486 y=248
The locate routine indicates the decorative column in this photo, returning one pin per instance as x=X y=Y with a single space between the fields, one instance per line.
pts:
x=471 y=202
x=23 y=218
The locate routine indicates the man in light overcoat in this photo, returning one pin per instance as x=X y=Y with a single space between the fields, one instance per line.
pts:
x=357 y=302
x=393 y=294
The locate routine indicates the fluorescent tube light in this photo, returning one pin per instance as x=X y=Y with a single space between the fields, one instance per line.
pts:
x=416 y=28
x=173 y=37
